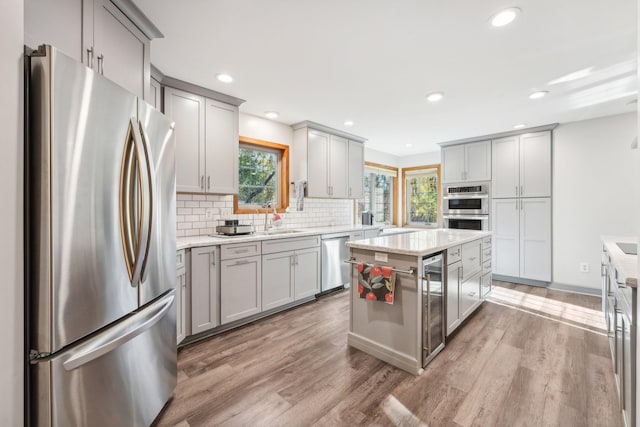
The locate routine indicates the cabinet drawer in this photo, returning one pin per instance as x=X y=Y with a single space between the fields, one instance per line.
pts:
x=239 y=250
x=180 y=259
x=486 y=267
x=471 y=259
x=486 y=253
x=453 y=254
x=469 y=295
x=281 y=245
x=356 y=235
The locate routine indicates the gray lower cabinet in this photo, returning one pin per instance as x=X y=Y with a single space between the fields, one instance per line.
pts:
x=468 y=276
x=290 y=276
x=181 y=284
x=240 y=288
x=204 y=289
x=277 y=279
x=307 y=272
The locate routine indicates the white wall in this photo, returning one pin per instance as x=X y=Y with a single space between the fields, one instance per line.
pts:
x=11 y=260
x=595 y=192
x=58 y=23
x=375 y=156
x=422 y=159
x=264 y=129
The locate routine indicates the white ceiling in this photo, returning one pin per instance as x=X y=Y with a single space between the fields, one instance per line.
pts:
x=374 y=61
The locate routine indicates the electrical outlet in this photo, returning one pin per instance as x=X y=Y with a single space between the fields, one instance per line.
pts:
x=584 y=267
x=208 y=214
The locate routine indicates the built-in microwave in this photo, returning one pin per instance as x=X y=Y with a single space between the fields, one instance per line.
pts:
x=466 y=200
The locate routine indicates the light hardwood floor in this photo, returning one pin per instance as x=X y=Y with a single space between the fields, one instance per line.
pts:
x=528 y=357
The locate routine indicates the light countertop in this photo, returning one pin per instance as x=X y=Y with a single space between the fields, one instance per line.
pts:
x=626 y=265
x=419 y=243
x=197 y=241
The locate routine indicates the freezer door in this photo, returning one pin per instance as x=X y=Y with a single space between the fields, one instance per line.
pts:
x=159 y=263
x=121 y=377
x=80 y=124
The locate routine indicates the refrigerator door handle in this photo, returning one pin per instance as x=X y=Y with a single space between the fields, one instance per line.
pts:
x=151 y=174
x=118 y=336
x=134 y=204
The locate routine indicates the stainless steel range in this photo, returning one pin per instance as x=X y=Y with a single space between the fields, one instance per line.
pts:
x=467 y=207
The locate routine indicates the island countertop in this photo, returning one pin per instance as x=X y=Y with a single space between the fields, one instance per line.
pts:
x=419 y=243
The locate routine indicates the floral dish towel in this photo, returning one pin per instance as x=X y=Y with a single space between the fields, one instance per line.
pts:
x=375 y=282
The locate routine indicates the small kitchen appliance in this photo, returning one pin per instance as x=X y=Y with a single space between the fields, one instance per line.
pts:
x=232 y=227
x=367 y=218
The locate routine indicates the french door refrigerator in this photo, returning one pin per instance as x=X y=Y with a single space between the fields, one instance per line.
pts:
x=100 y=249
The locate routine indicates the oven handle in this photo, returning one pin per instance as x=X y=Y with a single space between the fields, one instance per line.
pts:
x=482 y=218
x=466 y=196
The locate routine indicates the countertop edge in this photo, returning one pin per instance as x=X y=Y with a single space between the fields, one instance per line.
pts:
x=199 y=241
x=626 y=265
x=361 y=244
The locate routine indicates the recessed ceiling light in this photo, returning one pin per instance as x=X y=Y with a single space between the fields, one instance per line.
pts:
x=519 y=126
x=539 y=94
x=435 y=96
x=505 y=17
x=271 y=115
x=224 y=78
x=408 y=145
x=348 y=123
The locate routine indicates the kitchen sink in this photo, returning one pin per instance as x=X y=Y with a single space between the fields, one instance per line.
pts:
x=276 y=232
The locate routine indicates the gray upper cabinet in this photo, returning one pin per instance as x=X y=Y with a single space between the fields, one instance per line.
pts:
x=116 y=43
x=187 y=111
x=522 y=166
x=206 y=133
x=331 y=161
x=112 y=37
x=467 y=162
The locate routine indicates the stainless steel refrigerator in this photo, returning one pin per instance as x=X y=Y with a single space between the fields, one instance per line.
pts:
x=100 y=248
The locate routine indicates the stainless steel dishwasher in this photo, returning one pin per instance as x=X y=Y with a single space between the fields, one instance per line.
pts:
x=432 y=307
x=335 y=272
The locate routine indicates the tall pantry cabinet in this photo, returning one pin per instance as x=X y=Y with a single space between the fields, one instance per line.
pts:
x=521 y=206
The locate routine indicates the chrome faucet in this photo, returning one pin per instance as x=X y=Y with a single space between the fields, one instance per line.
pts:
x=266 y=216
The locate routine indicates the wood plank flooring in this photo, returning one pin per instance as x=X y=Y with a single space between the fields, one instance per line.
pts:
x=528 y=357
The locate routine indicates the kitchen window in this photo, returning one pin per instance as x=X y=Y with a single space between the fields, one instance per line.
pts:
x=263 y=176
x=421 y=194
x=379 y=193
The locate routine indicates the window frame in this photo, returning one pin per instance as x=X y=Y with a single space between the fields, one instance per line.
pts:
x=283 y=169
x=405 y=211
x=394 y=213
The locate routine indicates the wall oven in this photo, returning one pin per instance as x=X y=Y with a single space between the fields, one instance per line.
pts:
x=467 y=222
x=466 y=207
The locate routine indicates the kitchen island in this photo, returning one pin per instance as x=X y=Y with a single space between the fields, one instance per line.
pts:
x=441 y=277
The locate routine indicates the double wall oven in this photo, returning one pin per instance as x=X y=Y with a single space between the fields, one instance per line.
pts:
x=466 y=207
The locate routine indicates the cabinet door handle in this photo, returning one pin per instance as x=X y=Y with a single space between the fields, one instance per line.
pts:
x=241 y=251
x=101 y=64
x=521 y=190
x=209 y=182
x=349 y=191
x=242 y=261
x=90 y=57
x=521 y=203
x=473 y=258
x=471 y=294
x=516 y=190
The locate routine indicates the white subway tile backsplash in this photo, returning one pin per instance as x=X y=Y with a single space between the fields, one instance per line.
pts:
x=191 y=211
